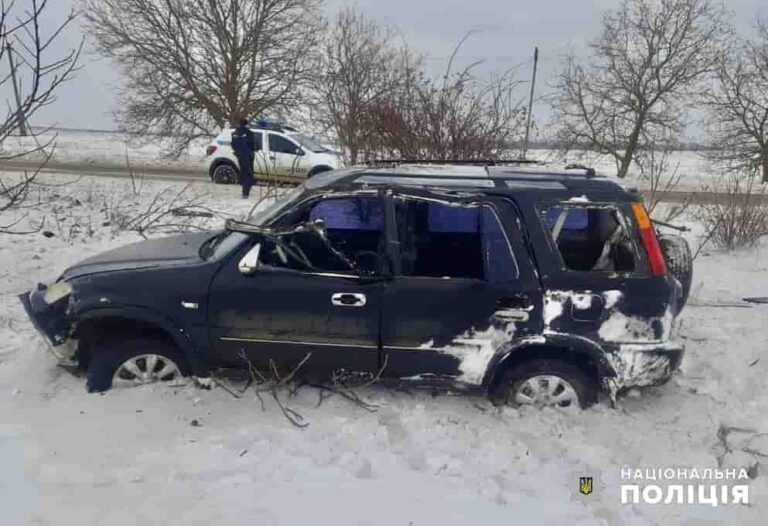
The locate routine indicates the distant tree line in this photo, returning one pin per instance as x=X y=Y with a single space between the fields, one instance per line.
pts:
x=194 y=66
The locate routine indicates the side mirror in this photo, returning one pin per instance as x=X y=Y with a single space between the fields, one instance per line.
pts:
x=250 y=261
x=299 y=152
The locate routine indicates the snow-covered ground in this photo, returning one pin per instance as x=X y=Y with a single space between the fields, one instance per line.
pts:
x=182 y=455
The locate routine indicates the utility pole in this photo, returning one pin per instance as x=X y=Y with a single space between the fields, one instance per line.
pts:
x=530 y=101
x=22 y=122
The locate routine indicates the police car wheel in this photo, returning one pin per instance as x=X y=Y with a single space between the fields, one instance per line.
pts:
x=225 y=174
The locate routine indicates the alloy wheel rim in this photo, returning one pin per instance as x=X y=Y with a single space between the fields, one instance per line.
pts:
x=147 y=369
x=545 y=390
x=225 y=174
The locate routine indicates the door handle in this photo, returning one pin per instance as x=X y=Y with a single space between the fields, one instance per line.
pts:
x=516 y=302
x=347 y=299
x=512 y=315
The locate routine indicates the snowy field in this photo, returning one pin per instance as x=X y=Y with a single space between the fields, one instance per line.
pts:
x=187 y=456
x=105 y=149
x=111 y=149
x=695 y=172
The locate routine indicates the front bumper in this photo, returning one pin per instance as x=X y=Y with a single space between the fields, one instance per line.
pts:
x=643 y=365
x=51 y=322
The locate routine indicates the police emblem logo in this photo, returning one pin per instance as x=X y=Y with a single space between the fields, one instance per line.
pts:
x=585 y=485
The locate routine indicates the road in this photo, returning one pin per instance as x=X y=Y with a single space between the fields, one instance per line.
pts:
x=108 y=170
x=199 y=175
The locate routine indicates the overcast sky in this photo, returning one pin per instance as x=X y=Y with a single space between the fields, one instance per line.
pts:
x=506 y=33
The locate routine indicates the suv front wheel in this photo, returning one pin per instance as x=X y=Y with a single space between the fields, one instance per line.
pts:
x=545 y=383
x=135 y=362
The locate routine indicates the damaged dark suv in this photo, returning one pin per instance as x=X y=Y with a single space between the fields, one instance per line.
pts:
x=533 y=285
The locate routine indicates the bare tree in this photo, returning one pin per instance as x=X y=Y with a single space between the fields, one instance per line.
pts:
x=458 y=116
x=381 y=103
x=193 y=66
x=650 y=55
x=360 y=68
x=662 y=178
x=738 y=105
x=32 y=68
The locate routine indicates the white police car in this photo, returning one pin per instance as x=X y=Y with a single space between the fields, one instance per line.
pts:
x=282 y=153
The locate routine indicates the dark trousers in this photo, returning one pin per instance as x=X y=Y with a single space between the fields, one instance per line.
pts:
x=246 y=173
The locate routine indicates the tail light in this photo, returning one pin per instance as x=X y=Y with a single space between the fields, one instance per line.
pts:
x=650 y=241
x=211 y=149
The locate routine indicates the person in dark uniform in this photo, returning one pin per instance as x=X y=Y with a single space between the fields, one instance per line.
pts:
x=243 y=143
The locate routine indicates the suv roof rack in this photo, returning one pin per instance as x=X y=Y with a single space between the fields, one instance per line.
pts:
x=471 y=162
x=588 y=171
x=525 y=167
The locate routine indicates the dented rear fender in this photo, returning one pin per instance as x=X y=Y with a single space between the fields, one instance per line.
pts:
x=552 y=344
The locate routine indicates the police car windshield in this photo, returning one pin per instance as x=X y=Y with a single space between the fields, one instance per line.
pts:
x=308 y=142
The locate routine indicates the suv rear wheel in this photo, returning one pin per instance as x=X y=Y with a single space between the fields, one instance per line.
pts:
x=135 y=362
x=545 y=383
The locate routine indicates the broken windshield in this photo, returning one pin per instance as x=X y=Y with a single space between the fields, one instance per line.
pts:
x=220 y=245
x=268 y=208
x=263 y=213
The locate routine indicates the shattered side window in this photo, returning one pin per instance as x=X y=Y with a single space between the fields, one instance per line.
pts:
x=443 y=240
x=591 y=238
x=346 y=237
x=306 y=250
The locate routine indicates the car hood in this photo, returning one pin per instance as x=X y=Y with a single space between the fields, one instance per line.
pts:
x=169 y=251
x=331 y=158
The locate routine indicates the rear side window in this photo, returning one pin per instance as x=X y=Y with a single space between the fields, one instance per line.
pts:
x=591 y=238
x=576 y=219
x=440 y=240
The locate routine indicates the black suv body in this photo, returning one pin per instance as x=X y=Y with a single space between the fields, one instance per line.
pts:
x=510 y=279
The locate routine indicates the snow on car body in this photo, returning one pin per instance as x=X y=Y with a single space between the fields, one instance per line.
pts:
x=534 y=285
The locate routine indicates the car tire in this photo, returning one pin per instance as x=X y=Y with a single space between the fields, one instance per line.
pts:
x=677 y=253
x=318 y=170
x=518 y=379
x=225 y=173
x=108 y=359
